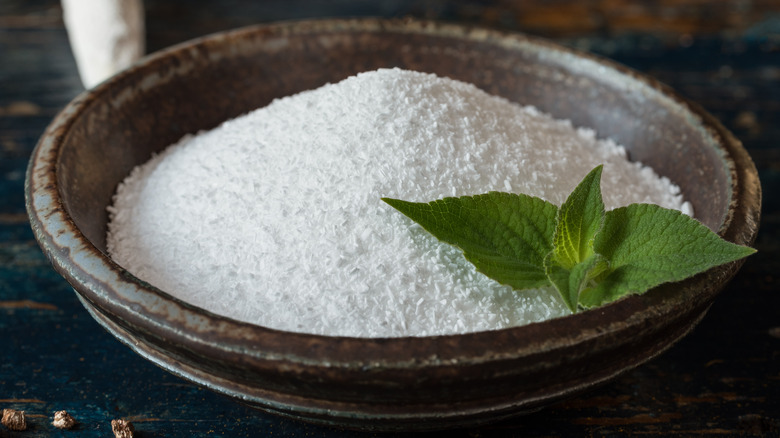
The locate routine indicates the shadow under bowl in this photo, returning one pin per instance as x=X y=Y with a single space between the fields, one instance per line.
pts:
x=377 y=384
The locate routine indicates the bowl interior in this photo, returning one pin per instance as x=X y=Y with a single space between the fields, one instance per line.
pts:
x=191 y=90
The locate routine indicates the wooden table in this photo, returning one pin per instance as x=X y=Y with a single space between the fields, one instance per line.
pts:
x=723 y=379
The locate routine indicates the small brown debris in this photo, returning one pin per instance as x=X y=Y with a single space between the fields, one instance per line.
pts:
x=122 y=428
x=63 y=420
x=14 y=420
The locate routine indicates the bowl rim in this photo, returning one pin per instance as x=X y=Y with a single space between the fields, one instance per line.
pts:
x=120 y=297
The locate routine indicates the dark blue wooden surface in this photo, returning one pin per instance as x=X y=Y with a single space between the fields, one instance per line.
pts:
x=721 y=380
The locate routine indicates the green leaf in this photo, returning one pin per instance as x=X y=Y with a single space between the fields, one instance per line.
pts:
x=579 y=220
x=506 y=236
x=648 y=245
x=571 y=283
x=590 y=256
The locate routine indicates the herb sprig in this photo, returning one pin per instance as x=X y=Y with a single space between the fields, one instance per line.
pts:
x=589 y=255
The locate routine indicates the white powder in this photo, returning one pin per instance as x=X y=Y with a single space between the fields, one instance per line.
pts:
x=275 y=217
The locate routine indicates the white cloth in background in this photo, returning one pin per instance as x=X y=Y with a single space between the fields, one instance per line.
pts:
x=105 y=35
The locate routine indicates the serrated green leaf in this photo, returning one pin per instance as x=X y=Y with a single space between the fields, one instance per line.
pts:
x=648 y=245
x=570 y=283
x=590 y=256
x=579 y=220
x=506 y=236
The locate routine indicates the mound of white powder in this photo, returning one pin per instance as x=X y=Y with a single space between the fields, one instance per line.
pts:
x=275 y=217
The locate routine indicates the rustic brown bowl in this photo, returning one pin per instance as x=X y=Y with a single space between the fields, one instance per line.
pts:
x=377 y=384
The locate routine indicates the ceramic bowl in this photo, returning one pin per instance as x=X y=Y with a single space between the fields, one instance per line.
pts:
x=377 y=384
